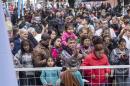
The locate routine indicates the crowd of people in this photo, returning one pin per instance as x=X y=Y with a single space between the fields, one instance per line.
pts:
x=70 y=38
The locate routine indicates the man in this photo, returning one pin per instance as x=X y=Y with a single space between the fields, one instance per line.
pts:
x=41 y=51
x=23 y=35
x=40 y=55
x=97 y=77
x=70 y=51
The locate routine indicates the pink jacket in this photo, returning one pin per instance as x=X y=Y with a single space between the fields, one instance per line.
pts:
x=65 y=36
x=100 y=77
x=55 y=52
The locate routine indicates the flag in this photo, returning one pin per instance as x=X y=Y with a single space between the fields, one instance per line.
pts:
x=19 y=8
x=22 y=7
x=7 y=72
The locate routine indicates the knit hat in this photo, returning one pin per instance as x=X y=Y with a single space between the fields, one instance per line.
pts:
x=73 y=62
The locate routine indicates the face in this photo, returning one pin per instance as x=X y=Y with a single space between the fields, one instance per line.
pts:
x=24 y=35
x=71 y=44
x=114 y=20
x=122 y=45
x=106 y=40
x=100 y=52
x=70 y=30
x=84 y=22
x=78 y=20
x=84 y=33
x=129 y=13
x=53 y=34
x=50 y=62
x=10 y=34
x=11 y=45
x=45 y=43
x=26 y=47
x=87 y=42
x=128 y=32
x=58 y=42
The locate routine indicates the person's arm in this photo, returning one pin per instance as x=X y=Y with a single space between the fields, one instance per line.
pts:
x=79 y=77
x=16 y=47
x=114 y=59
x=123 y=31
x=108 y=70
x=54 y=53
x=42 y=78
x=37 y=61
x=88 y=72
x=17 y=59
x=64 y=39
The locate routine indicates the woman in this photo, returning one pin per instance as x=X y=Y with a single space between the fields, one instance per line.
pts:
x=97 y=77
x=72 y=77
x=120 y=56
x=24 y=58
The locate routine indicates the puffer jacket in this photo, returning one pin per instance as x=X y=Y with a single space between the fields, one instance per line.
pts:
x=92 y=60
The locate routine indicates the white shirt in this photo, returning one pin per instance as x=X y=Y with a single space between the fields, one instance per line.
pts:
x=127 y=41
x=38 y=37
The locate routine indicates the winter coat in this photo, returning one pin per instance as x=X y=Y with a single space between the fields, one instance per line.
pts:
x=55 y=52
x=49 y=77
x=92 y=60
x=116 y=60
x=17 y=43
x=56 y=55
x=65 y=37
x=40 y=53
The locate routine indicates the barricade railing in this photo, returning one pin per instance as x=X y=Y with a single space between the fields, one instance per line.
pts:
x=114 y=75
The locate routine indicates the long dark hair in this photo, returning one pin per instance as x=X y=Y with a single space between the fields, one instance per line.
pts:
x=24 y=42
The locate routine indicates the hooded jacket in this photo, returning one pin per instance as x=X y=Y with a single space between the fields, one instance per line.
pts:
x=92 y=60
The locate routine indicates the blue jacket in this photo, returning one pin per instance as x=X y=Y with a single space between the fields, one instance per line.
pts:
x=17 y=46
x=49 y=76
x=78 y=76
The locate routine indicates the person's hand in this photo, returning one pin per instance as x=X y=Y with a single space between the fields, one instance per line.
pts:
x=93 y=76
x=44 y=61
x=123 y=56
x=106 y=75
x=123 y=31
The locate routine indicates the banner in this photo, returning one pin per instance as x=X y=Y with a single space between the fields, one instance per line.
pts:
x=19 y=5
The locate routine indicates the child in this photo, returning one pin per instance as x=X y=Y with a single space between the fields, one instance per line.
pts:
x=97 y=77
x=24 y=57
x=86 y=46
x=56 y=51
x=69 y=33
x=49 y=77
x=71 y=76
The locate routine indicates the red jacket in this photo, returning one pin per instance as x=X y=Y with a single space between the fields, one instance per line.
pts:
x=92 y=60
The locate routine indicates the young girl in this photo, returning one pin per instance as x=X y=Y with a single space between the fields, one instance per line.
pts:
x=24 y=57
x=97 y=77
x=85 y=46
x=69 y=33
x=56 y=51
x=53 y=35
x=49 y=77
